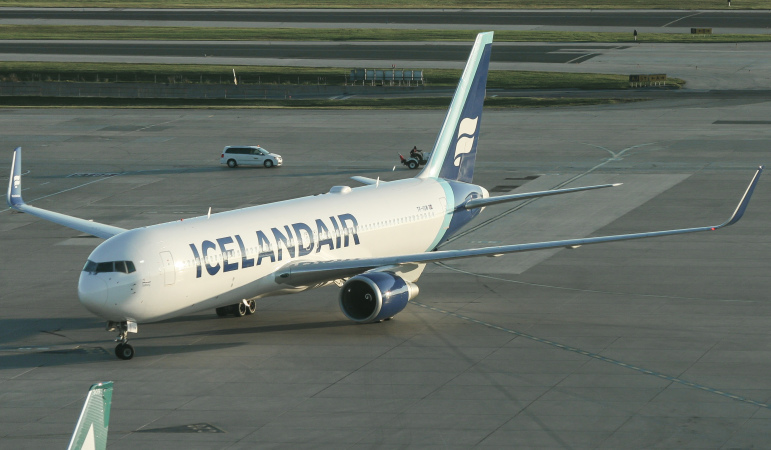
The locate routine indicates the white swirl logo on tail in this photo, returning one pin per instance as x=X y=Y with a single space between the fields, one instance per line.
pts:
x=466 y=131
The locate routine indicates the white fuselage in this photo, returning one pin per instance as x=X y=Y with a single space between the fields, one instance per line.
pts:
x=208 y=262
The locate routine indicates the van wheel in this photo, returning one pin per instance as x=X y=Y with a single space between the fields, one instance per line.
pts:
x=232 y=163
x=268 y=163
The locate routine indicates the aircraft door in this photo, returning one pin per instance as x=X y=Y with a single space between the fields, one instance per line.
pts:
x=169 y=275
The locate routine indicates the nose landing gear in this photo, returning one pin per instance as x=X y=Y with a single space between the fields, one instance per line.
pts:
x=123 y=350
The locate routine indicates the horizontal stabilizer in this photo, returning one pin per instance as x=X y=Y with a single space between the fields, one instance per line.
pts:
x=15 y=201
x=481 y=202
x=366 y=180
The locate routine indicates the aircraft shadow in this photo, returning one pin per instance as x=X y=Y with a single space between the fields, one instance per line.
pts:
x=265 y=329
x=13 y=332
x=96 y=354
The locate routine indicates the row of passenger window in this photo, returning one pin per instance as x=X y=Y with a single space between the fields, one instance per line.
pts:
x=111 y=266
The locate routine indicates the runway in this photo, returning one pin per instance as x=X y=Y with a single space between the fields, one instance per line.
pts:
x=657 y=343
x=249 y=50
x=755 y=21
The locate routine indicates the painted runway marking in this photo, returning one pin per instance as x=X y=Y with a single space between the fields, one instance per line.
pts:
x=614 y=157
x=594 y=291
x=582 y=58
x=60 y=192
x=684 y=17
x=598 y=357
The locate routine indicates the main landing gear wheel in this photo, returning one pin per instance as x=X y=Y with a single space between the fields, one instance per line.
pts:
x=240 y=309
x=124 y=351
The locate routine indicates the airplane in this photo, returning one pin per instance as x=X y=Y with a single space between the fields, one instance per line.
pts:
x=91 y=430
x=373 y=241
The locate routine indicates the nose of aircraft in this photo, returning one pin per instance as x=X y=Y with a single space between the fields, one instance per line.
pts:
x=92 y=292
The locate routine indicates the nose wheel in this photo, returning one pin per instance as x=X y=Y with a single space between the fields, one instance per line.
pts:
x=123 y=350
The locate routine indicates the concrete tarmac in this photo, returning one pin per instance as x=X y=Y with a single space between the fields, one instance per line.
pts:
x=652 y=343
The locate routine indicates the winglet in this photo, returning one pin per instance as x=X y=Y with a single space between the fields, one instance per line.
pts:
x=13 y=197
x=739 y=212
x=91 y=430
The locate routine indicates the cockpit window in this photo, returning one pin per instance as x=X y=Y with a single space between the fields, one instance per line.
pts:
x=90 y=267
x=104 y=267
x=110 y=266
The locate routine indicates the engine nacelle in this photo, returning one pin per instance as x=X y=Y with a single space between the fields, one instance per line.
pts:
x=374 y=296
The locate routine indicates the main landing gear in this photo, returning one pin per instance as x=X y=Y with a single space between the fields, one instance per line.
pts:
x=241 y=309
x=123 y=350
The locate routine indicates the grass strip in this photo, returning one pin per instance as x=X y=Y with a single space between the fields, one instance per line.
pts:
x=502 y=4
x=82 y=32
x=280 y=75
x=354 y=103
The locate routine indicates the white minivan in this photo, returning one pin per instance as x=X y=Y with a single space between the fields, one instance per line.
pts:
x=249 y=155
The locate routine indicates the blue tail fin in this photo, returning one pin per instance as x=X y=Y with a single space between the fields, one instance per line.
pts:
x=455 y=150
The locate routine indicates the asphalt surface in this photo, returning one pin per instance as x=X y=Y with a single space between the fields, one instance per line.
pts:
x=658 y=343
x=356 y=17
x=388 y=51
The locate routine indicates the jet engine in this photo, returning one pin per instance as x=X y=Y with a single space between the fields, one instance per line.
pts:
x=375 y=296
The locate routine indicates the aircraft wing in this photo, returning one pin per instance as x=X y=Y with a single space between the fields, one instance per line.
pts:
x=15 y=201
x=305 y=273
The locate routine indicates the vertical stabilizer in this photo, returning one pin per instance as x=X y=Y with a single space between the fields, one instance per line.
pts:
x=454 y=152
x=91 y=430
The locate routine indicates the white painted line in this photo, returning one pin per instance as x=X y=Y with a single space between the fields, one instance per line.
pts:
x=684 y=17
